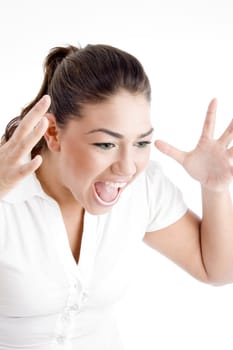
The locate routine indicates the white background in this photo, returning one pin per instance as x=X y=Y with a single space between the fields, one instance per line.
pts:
x=186 y=48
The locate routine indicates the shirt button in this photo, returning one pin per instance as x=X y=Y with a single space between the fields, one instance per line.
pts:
x=77 y=285
x=65 y=317
x=60 y=339
x=84 y=296
x=74 y=307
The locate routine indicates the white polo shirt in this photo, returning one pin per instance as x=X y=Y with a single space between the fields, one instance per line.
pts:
x=47 y=300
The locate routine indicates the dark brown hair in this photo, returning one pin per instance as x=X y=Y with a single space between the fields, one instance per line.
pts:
x=76 y=76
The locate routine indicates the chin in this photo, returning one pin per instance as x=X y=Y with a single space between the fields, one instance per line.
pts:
x=96 y=206
x=95 y=210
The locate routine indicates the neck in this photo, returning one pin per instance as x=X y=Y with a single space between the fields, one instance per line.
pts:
x=48 y=176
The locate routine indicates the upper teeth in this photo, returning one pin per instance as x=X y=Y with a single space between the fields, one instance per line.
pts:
x=115 y=184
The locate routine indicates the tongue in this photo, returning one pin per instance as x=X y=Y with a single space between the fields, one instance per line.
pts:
x=105 y=192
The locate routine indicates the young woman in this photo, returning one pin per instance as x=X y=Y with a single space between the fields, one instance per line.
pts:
x=78 y=190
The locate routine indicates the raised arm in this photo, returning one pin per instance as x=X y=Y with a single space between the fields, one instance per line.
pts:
x=204 y=248
x=13 y=153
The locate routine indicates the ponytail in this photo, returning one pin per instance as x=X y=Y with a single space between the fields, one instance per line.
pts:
x=75 y=76
x=54 y=58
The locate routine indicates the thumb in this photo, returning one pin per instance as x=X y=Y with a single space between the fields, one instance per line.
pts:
x=170 y=151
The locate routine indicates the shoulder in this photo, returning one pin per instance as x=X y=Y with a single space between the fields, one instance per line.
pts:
x=165 y=200
x=153 y=172
x=152 y=179
x=147 y=186
x=148 y=190
x=158 y=181
x=26 y=189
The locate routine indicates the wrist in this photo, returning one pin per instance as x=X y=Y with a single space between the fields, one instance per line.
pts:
x=218 y=189
x=212 y=194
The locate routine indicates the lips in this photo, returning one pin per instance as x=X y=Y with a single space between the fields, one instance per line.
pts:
x=107 y=193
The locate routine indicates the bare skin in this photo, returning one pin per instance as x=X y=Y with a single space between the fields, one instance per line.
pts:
x=204 y=247
x=201 y=247
x=13 y=153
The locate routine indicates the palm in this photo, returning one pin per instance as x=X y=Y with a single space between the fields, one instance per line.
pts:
x=17 y=149
x=210 y=161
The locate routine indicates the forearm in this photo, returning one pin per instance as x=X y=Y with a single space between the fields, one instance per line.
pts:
x=217 y=236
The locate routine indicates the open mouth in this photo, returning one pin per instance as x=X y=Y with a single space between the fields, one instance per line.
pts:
x=107 y=193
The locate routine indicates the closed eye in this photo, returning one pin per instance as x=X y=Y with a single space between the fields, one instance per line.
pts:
x=142 y=144
x=104 y=145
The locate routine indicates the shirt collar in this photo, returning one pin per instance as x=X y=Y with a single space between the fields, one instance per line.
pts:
x=27 y=188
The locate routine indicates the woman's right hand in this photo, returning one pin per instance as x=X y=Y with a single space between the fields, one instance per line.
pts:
x=14 y=152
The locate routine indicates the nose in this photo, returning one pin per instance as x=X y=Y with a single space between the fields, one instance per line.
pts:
x=125 y=165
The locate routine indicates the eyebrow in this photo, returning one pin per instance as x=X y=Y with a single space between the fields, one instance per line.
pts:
x=117 y=135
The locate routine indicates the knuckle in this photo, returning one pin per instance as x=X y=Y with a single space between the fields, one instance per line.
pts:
x=22 y=171
x=6 y=181
x=230 y=128
x=37 y=109
x=37 y=129
x=22 y=126
x=16 y=151
x=23 y=145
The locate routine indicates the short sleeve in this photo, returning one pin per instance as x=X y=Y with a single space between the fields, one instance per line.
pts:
x=166 y=203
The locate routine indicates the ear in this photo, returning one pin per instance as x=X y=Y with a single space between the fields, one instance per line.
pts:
x=52 y=134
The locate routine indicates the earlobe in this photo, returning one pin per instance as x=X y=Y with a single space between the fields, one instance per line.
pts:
x=52 y=134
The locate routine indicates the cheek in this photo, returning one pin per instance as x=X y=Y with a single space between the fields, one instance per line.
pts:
x=143 y=159
x=82 y=162
x=73 y=155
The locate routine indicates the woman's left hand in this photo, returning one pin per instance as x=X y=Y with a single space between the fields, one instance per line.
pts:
x=211 y=161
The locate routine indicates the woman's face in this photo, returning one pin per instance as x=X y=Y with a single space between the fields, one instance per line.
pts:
x=102 y=152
